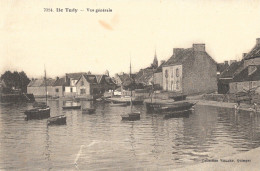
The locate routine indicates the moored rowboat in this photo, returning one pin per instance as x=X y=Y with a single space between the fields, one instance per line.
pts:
x=38 y=113
x=131 y=116
x=57 y=120
x=71 y=107
x=152 y=107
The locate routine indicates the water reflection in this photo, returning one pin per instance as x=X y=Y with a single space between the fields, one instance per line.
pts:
x=106 y=142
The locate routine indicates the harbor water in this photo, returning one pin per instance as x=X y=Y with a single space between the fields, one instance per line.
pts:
x=102 y=141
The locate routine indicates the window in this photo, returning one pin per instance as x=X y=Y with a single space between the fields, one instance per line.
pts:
x=177 y=85
x=82 y=91
x=166 y=73
x=177 y=72
x=82 y=83
x=172 y=73
x=57 y=90
x=71 y=89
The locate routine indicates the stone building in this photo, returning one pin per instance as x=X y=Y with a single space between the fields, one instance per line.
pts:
x=190 y=71
x=37 y=87
x=248 y=76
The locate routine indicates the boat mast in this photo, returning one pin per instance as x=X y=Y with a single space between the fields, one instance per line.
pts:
x=45 y=84
x=130 y=84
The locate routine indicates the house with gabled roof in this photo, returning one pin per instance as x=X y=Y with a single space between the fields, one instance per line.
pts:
x=106 y=83
x=59 y=86
x=87 y=87
x=247 y=79
x=190 y=71
x=253 y=57
x=227 y=76
x=37 y=87
x=249 y=76
x=71 y=78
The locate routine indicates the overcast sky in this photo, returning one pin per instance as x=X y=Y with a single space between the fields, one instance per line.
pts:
x=89 y=41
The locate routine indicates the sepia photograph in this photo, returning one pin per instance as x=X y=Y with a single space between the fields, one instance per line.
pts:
x=130 y=85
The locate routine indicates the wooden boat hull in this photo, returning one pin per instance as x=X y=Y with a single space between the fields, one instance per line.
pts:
x=131 y=117
x=179 y=97
x=37 y=113
x=71 y=107
x=57 y=120
x=163 y=107
x=177 y=114
x=118 y=104
x=127 y=101
x=88 y=111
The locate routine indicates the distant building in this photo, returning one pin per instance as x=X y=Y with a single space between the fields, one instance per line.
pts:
x=59 y=87
x=123 y=79
x=105 y=83
x=248 y=75
x=247 y=79
x=87 y=86
x=227 y=76
x=158 y=77
x=253 y=57
x=37 y=87
x=146 y=76
x=92 y=86
x=190 y=71
x=70 y=88
x=221 y=67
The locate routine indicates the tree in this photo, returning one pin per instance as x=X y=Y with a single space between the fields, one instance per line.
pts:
x=16 y=80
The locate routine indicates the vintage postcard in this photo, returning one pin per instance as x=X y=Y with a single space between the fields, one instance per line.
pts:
x=129 y=85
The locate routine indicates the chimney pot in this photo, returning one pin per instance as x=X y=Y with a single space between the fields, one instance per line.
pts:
x=244 y=55
x=199 y=47
x=258 y=41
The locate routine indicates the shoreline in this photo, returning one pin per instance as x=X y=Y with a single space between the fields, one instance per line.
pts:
x=243 y=107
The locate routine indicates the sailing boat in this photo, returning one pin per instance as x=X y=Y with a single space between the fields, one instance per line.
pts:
x=132 y=116
x=42 y=111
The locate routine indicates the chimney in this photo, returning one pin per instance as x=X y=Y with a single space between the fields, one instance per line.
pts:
x=66 y=77
x=176 y=51
x=258 y=41
x=244 y=55
x=199 y=47
x=57 y=78
x=226 y=62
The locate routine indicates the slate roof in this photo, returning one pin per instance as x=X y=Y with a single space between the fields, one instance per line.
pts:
x=144 y=76
x=41 y=82
x=185 y=54
x=231 y=71
x=91 y=78
x=254 y=53
x=159 y=69
x=109 y=80
x=243 y=75
x=61 y=82
x=76 y=75
x=221 y=67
